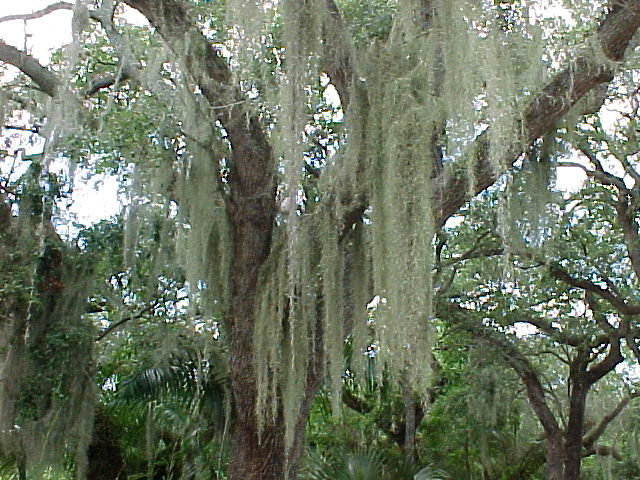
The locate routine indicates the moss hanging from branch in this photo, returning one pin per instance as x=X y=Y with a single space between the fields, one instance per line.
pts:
x=454 y=78
x=417 y=101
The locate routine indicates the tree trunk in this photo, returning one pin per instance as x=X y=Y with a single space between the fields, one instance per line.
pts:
x=410 y=424
x=575 y=428
x=555 y=459
x=258 y=451
x=104 y=456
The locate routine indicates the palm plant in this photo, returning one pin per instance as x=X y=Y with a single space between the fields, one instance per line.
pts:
x=368 y=465
x=180 y=408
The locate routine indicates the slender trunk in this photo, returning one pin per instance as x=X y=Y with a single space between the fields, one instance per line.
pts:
x=574 y=432
x=104 y=456
x=555 y=458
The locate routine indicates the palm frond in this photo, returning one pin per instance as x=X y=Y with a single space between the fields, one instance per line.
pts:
x=362 y=465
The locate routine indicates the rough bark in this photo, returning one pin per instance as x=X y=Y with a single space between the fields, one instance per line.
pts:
x=255 y=454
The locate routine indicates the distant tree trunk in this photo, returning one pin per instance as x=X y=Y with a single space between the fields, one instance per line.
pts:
x=555 y=458
x=104 y=456
x=575 y=431
x=45 y=374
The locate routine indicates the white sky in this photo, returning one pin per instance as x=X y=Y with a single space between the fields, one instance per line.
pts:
x=41 y=35
x=94 y=199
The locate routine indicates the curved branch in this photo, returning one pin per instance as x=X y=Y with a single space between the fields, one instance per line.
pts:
x=607 y=364
x=40 y=13
x=105 y=82
x=523 y=368
x=618 y=303
x=118 y=324
x=549 y=106
x=595 y=434
x=43 y=77
x=603 y=177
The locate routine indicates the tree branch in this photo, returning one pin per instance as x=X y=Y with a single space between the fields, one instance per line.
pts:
x=631 y=343
x=128 y=67
x=607 y=364
x=618 y=303
x=603 y=451
x=523 y=368
x=603 y=178
x=202 y=61
x=560 y=336
x=451 y=190
x=43 y=77
x=627 y=220
x=97 y=84
x=39 y=13
x=593 y=436
x=119 y=323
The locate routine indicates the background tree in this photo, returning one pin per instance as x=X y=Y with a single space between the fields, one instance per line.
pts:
x=571 y=284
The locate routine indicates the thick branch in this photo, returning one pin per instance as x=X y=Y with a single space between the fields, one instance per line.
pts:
x=603 y=451
x=97 y=84
x=619 y=26
x=44 y=78
x=523 y=368
x=583 y=74
x=203 y=62
x=606 y=365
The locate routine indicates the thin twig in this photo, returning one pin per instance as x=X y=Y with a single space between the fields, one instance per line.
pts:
x=114 y=326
